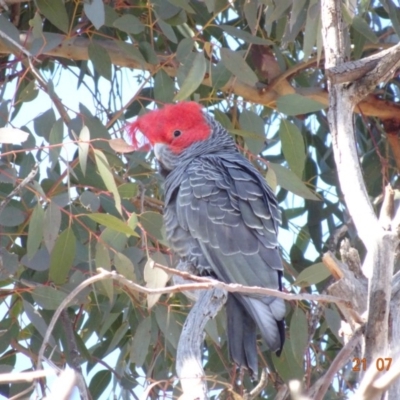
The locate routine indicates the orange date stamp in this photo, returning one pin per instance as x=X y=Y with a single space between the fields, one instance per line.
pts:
x=381 y=364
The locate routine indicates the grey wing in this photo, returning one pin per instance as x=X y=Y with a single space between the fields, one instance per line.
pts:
x=226 y=209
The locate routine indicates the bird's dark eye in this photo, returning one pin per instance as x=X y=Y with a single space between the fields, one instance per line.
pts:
x=177 y=133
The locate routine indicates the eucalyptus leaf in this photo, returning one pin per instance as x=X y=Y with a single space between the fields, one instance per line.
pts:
x=295 y=104
x=235 y=63
x=55 y=12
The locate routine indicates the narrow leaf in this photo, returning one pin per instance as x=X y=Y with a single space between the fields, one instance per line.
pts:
x=48 y=297
x=107 y=176
x=83 y=147
x=295 y=104
x=362 y=27
x=51 y=225
x=290 y=181
x=130 y=24
x=246 y=36
x=312 y=275
x=35 y=231
x=55 y=12
x=112 y=222
x=299 y=334
x=141 y=342
x=99 y=383
x=124 y=266
x=102 y=260
x=194 y=77
x=293 y=146
x=62 y=257
x=235 y=63
x=94 y=10
x=120 y=146
x=101 y=60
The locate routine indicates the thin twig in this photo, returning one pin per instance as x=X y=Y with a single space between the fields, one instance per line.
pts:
x=24 y=182
x=319 y=389
x=234 y=288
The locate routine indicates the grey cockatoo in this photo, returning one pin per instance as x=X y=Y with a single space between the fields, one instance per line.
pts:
x=220 y=216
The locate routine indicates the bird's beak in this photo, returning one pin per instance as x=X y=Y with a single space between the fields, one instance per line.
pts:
x=158 y=150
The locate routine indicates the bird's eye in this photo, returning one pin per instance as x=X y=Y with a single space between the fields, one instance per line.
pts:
x=177 y=133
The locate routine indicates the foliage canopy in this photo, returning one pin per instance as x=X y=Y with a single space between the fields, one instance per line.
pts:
x=256 y=65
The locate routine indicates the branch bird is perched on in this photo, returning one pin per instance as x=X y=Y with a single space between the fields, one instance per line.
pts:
x=221 y=217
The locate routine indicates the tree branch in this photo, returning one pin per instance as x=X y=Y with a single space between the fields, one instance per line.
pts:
x=381 y=245
x=189 y=366
x=319 y=389
x=76 y=48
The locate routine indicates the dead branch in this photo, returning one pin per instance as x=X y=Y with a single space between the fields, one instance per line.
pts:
x=381 y=245
x=189 y=366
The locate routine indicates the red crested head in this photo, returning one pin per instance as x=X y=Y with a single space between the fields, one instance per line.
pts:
x=176 y=125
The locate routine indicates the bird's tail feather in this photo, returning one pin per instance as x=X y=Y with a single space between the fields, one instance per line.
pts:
x=242 y=339
x=244 y=314
x=269 y=319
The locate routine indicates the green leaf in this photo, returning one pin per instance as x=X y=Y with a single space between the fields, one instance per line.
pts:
x=8 y=264
x=246 y=36
x=184 y=4
x=247 y=134
x=51 y=225
x=168 y=324
x=62 y=257
x=35 y=231
x=152 y=223
x=251 y=122
x=99 y=383
x=295 y=104
x=184 y=48
x=37 y=321
x=219 y=75
x=83 y=147
x=287 y=365
x=164 y=87
x=124 y=266
x=141 y=342
x=11 y=216
x=90 y=201
x=299 y=334
x=108 y=177
x=112 y=222
x=56 y=138
x=55 y=12
x=44 y=122
x=101 y=60
x=131 y=51
x=293 y=146
x=128 y=190
x=235 y=63
x=393 y=15
x=311 y=29
x=48 y=297
x=102 y=260
x=193 y=78
x=130 y=24
x=312 y=275
x=362 y=26
x=334 y=321
x=94 y=10
x=290 y=181
x=167 y=30
x=10 y=31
